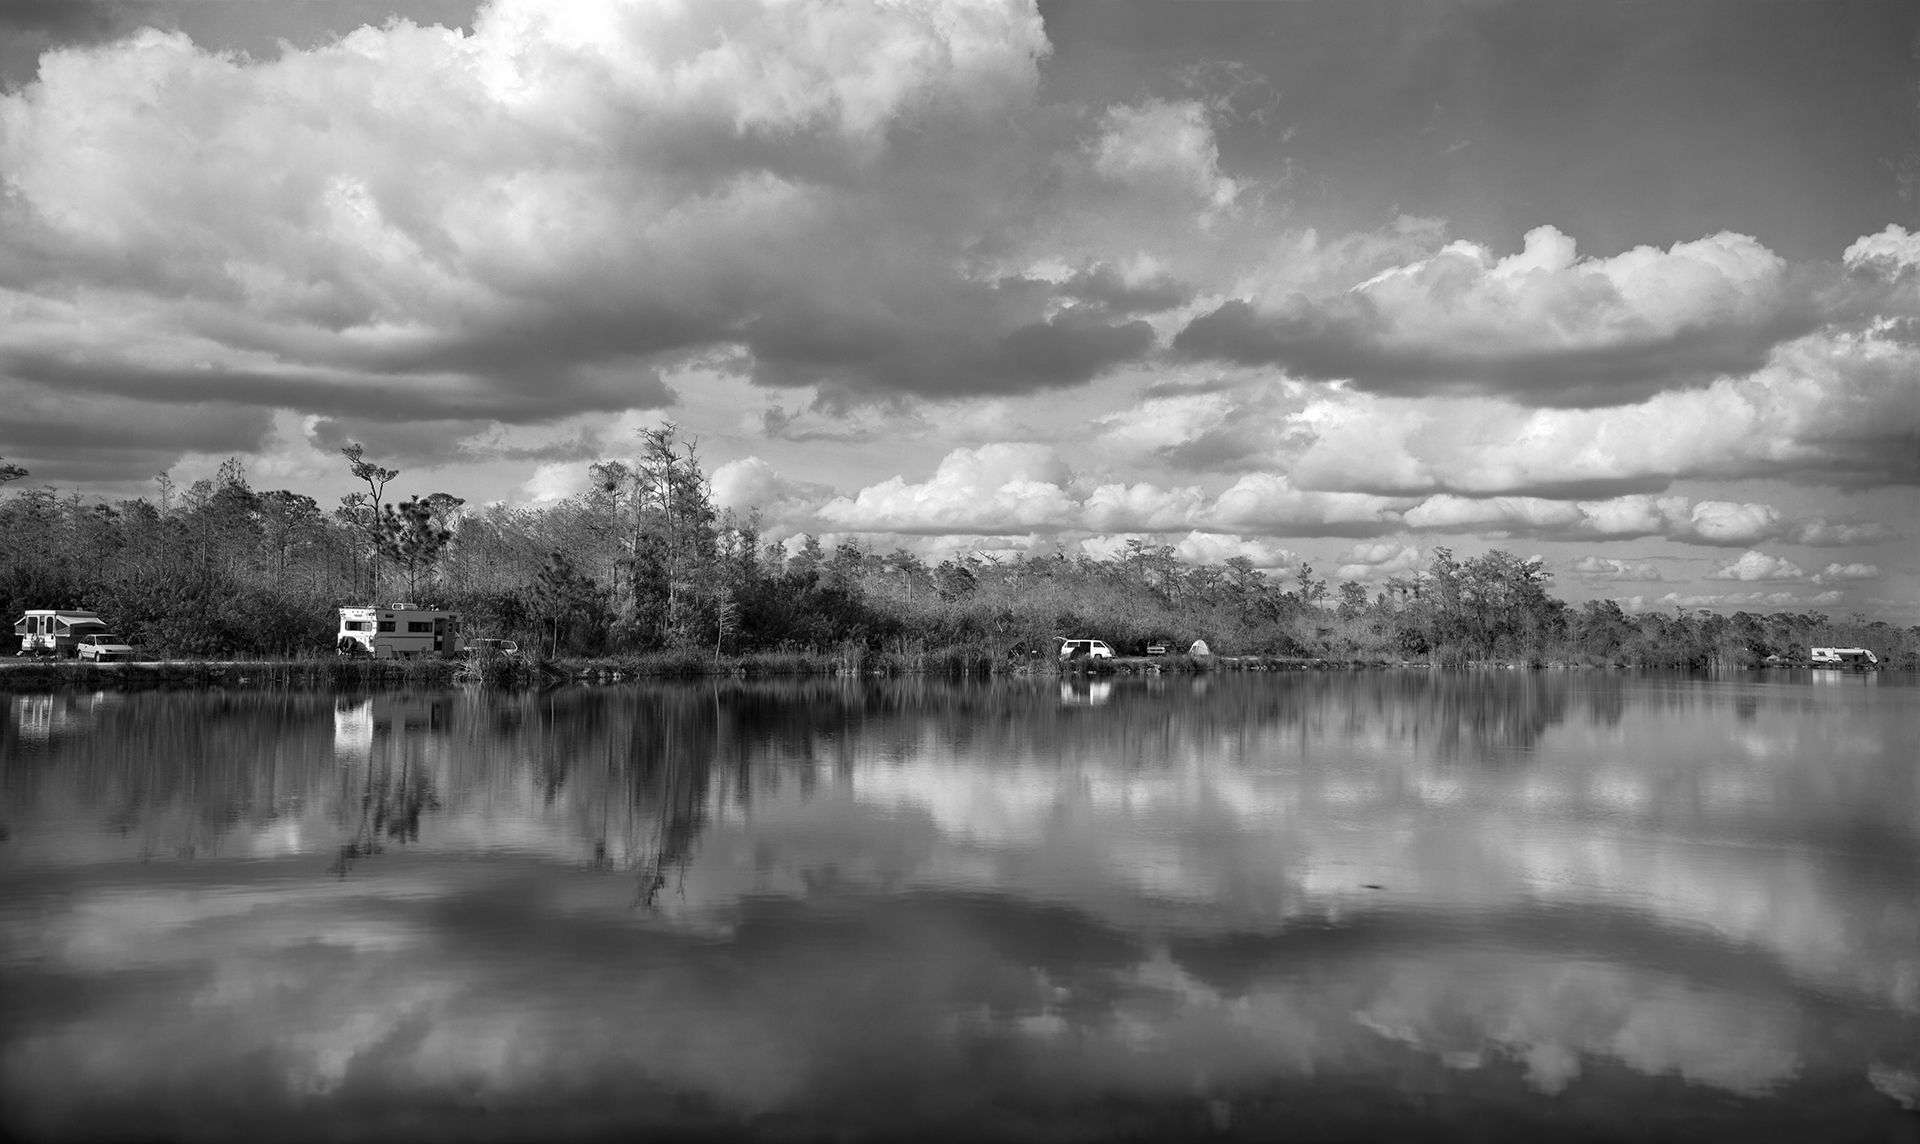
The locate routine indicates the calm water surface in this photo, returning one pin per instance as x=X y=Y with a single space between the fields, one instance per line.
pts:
x=1481 y=906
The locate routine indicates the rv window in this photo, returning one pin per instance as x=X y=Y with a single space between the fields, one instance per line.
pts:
x=419 y=625
x=386 y=625
x=358 y=626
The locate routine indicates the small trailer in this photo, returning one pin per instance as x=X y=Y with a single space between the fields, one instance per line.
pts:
x=398 y=631
x=1857 y=658
x=55 y=631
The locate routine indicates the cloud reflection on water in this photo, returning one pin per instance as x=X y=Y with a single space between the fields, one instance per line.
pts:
x=790 y=899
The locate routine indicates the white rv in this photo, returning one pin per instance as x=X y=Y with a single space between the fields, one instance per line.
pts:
x=1843 y=657
x=55 y=631
x=398 y=631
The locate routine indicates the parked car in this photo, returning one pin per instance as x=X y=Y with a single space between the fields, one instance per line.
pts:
x=491 y=646
x=101 y=647
x=1090 y=649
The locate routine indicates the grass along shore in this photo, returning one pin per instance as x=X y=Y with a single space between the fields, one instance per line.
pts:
x=34 y=673
x=39 y=674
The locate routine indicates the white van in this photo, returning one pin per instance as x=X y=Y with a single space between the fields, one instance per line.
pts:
x=1091 y=649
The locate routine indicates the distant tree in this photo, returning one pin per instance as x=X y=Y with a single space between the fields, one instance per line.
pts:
x=286 y=518
x=569 y=607
x=955 y=579
x=10 y=472
x=412 y=535
x=806 y=563
x=363 y=510
x=1353 y=600
x=1312 y=590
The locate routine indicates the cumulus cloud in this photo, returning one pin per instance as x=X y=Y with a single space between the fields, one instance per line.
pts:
x=1007 y=489
x=1710 y=522
x=1166 y=147
x=1755 y=565
x=1613 y=568
x=1217 y=548
x=1835 y=407
x=1842 y=573
x=555 y=481
x=1543 y=326
x=1733 y=600
x=1269 y=502
x=531 y=220
x=1889 y=254
x=1013 y=488
x=1377 y=561
x=1830 y=408
x=751 y=483
x=992 y=489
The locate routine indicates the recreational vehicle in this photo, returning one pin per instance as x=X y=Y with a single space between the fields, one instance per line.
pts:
x=1854 y=657
x=55 y=631
x=398 y=631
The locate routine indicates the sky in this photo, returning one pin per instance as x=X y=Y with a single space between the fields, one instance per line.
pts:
x=1630 y=287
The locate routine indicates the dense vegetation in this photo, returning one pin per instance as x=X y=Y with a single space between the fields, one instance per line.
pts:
x=644 y=563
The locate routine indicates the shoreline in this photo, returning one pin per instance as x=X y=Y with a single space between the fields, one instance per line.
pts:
x=25 y=674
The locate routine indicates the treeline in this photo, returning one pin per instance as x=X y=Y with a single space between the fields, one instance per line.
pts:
x=643 y=562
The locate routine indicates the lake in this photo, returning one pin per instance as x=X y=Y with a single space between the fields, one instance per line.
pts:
x=1391 y=904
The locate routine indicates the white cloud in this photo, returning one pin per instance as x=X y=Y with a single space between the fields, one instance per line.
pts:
x=1733 y=600
x=1841 y=573
x=1834 y=405
x=1141 y=507
x=1887 y=252
x=1673 y=517
x=1377 y=561
x=1166 y=147
x=998 y=488
x=531 y=220
x=1613 y=568
x=1268 y=501
x=752 y=483
x=1218 y=548
x=1006 y=489
x=1542 y=326
x=555 y=481
x=1753 y=565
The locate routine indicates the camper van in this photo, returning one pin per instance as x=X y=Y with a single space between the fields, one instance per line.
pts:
x=1854 y=657
x=55 y=631
x=398 y=631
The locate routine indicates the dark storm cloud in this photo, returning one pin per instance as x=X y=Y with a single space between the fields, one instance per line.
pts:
x=1349 y=338
x=119 y=440
x=47 y=429
x=1106 y=287
x=859 y=357
x=539 y=397
x=433 y=443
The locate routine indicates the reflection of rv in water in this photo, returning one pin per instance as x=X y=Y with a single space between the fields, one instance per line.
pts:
x=40 y=719
x=55 y=631
x=1085 y=693
x=1857 y=658
x=398 y=717
x=398 y=631
x=392 y=752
